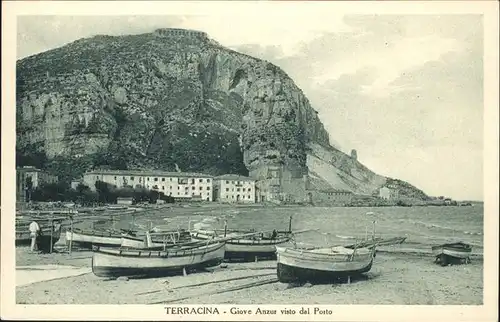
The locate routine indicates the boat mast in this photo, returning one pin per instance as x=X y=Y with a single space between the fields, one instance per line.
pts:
x=290 y=224
x=373 y=231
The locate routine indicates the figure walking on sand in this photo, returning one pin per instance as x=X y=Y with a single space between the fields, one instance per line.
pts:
x=34 y=232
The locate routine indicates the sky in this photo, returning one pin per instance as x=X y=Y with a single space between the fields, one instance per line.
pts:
x=405 y=91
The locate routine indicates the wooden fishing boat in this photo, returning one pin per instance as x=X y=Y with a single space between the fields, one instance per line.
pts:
x=260 y=245
x=148 y=263
x=89 y=238
x=247 y=244
x=164 y=239
x=322 y=264
x=44 y=240
x=452 y=252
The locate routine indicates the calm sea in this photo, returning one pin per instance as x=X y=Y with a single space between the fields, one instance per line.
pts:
x=423 y=226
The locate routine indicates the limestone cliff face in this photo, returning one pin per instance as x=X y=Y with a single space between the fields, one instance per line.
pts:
x=157 y=100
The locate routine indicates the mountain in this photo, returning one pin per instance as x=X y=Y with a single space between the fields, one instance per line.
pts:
x=171 y=97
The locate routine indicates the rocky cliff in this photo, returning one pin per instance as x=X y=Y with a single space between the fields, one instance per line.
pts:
x=167 y=98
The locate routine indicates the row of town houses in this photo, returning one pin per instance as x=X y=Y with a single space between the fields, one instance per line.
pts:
x=179 y=185
x=188 y=186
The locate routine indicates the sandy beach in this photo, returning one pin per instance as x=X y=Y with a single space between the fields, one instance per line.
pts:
x=396 y=278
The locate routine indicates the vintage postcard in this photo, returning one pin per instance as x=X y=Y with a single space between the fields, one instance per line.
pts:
x=264 y=160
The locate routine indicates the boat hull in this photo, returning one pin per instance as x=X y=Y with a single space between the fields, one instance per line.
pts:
x=137 y=243
x=451 y=253
x=247 y=248
x=87 y=241
x=136 y=263
x=457 y=250
x=296 y=265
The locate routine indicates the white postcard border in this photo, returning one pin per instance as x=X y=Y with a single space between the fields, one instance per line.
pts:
x=487 y=311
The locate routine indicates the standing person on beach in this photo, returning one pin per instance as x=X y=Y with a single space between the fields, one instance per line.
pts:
x=34 y=232
x=57 y=226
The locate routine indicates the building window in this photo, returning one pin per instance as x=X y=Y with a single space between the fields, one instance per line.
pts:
x=170 y=179
x=248 y=197
x=192 y=188
x=238 y=189
x=201 y=188
x=227 y=182
x=243 y=189
x=115 y=177
x=227 y=189
x=156 y=179
x=208 y=180
x=170 y=187
x=186 y=193
x=131 y=178
x=208 y=188
x=186 y=188
x=201 y=180
x=248 y=189
x=162 y=187
x=232 y=182
x=192 y=181
x=162 y=179
x=239 y=182
x=147 y=179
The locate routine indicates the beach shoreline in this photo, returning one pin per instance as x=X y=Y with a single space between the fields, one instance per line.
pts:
x=396 y=278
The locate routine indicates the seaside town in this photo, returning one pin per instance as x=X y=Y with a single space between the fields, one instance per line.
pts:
x=96 y=186
x=270 y=210
x=59 y=229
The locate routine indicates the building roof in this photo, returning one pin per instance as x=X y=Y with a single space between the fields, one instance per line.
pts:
x=150 y=173
x=234 y=177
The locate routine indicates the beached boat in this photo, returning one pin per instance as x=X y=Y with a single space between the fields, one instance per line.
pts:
x=88 y=238
x=322 y=264
x=246 y=244
x=165 y=239
x=261 y=245
x=448 y=253
x=140 y=263
x=23 y=238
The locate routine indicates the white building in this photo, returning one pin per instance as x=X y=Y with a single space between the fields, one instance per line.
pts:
x=180 y=185
x=234 y=188
x=386 y=193
x=38 y=177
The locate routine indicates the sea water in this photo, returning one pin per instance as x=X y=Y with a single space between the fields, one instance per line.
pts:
x=423 y=226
